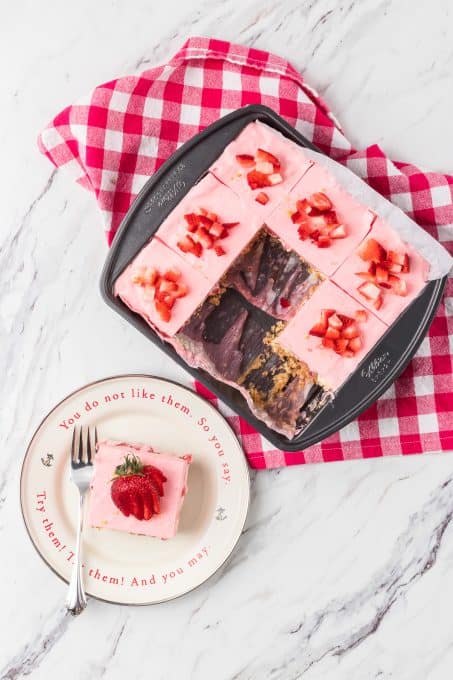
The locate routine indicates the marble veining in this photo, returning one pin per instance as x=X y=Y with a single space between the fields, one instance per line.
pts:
x=344 y=570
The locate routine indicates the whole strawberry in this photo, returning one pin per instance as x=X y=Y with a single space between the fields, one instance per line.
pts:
x=136 y=488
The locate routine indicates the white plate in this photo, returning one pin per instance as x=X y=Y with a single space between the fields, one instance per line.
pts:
x=119 y=567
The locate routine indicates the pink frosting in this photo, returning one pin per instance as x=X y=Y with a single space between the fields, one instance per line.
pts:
x=156 y=254
x=103 y=512
x=256 y=135
x=210 y=194
x=392 y=305
x=332 y=369
x=356 y=218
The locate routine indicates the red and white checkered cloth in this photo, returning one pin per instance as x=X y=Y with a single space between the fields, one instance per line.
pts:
x=119 y=135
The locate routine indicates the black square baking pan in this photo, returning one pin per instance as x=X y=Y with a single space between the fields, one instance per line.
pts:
x=158 y=198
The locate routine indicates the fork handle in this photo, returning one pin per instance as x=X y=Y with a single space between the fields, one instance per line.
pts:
x=76 y=600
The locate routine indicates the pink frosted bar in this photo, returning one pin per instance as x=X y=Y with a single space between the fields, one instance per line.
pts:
x=104 y=514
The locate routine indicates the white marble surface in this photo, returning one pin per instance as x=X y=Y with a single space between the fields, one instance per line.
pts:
x=344 y=571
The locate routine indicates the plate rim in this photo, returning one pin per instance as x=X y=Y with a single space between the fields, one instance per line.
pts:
x=91 y=384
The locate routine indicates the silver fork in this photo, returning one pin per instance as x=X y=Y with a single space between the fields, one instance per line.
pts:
x=81 y=473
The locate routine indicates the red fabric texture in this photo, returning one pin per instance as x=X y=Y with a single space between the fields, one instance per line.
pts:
x=116 y=137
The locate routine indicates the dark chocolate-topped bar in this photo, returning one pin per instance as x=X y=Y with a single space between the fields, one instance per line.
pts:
x=271 y=277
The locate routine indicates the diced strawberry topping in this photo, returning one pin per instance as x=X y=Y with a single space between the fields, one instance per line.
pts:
x=275 y=178
x=245 y=160
x=323 y=242
x=361 y=316
x=262 y=198
x=265 y=167
x=219 y=250
x=217 y=230
x=265 y=156
x=369 y=290
x=333 y=333
x=319 y=330
x=192 y=220
x=257 y=180
x=204 y=237
x=172 y=275
x=338 y=332
x=320 y=201
x=318 y=221
x=205 y=221
x=372 y=251
x=230 y=225
x=188 y=245
x=163 y=310
x=338 y=232
x=329 y=343
x=382 y=272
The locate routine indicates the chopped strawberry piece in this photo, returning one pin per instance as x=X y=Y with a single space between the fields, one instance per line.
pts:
x=219 y=250
x=330 y=218
x=355 y=344
x=264 y=167
x=361 y=316
x=181 y=291
x=245 y=160
x=319 y=329
x=345 y=320
x=188 y=245
x=172 y=275
x=333 y=333
x=323 y=242
x=167 y=286
x=275 y=178
x=395 y=268
x=329 y=343
x=399 y=286
x=217 y=230
x=348 y=353
x=326 y=314
x=213 y=216
x=303 y=232
x=406 y=265
x=263 y=156
x=168 y=299
x=163 y=310
x=320 y=201
x=284 y=302
x=297 y=217
x=204 y=237
x=350 y=331
x=262 y=198
x=205 y=221
x=397 y=258
x=372 y=251
x=192 y=220
x=381 y=274
x=230 y=225
x=335 y=321
x=377 y=304
x=386 y=286
x=366 y=276
x=257 y=180
x=369 y=290
x=341 y=345
x=303 y=206
x=338 y=232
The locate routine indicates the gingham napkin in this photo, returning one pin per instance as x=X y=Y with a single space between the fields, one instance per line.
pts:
x=116 y=137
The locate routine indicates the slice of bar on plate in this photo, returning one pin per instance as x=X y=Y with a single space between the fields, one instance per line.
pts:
x=384 y=273
x=137 y=490
x=320 y=220
x=331 y=333
x=261 y=165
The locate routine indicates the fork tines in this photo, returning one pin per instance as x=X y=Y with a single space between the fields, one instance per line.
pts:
x=82 y=453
